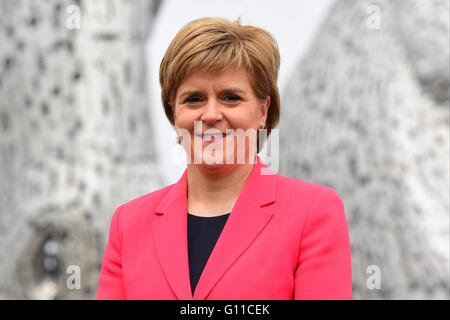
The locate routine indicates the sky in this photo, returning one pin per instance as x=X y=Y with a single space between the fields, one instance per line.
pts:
x=293 y=23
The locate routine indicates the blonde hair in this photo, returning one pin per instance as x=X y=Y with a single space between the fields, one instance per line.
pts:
x=216 y=44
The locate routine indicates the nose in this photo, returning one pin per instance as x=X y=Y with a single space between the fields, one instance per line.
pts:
x=212 y=113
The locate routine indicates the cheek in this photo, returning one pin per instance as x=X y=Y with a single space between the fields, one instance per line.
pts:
x=185 y=119
x=239 y=118
x=243 y=119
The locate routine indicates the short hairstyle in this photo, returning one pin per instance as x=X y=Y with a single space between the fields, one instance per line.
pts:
x=216 y=44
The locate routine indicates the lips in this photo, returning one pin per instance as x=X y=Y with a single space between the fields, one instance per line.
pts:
x=212 y=137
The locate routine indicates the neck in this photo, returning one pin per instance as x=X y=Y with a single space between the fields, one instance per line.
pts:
x=214 y=191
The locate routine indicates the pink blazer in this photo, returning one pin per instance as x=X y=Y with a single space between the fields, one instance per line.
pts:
x=284 y=239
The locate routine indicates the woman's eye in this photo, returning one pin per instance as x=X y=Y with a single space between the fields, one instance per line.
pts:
x=192 y=99
x=232 y=98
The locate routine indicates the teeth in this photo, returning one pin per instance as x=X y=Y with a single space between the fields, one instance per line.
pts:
x=214 y=135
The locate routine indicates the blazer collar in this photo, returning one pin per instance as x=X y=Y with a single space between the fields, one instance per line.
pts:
x=250 y=214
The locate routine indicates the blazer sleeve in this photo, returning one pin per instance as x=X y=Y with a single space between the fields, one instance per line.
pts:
x=110 y=285
x=324 y=264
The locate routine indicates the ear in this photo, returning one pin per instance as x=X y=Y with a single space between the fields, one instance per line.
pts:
x=264 y=110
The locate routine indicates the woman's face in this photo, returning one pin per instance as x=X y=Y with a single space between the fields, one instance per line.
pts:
x=217 y=104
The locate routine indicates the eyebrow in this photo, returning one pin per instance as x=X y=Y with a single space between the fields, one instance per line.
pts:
x=198 y=92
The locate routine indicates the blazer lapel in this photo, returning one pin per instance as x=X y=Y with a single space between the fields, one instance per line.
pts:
x=251 y=213
x=170 y=239
x=249 y=216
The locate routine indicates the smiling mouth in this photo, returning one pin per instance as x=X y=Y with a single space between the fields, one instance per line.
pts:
x=212 y=137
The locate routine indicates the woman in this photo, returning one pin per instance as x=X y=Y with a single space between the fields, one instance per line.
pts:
x=230 y=228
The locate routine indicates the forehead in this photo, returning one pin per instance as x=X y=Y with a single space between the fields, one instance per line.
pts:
x=197 y=80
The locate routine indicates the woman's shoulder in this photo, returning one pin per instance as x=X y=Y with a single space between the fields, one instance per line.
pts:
x=303 y=198
x=304 y=189
x=144 y=203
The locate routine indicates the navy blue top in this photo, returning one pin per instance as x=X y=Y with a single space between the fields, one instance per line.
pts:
x=203 y=233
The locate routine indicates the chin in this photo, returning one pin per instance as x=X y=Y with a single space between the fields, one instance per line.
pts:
x=212 y=164
x=209 y=161
x=214 y=167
